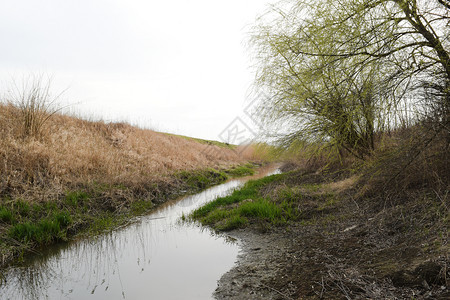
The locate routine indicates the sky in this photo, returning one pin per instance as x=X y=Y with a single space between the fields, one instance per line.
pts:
x=175 y=66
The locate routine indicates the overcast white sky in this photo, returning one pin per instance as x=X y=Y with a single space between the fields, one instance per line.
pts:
x=178 y=66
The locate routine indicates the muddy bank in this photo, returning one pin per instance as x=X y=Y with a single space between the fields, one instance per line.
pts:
x=256 y=269
x=349 y=249
x=283 y=265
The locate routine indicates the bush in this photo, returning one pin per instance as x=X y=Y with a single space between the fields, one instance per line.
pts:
x=35 y=102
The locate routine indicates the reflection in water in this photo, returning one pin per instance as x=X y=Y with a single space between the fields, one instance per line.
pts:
x=154 y=258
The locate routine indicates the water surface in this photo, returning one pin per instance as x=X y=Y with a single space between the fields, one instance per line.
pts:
x=156 y=257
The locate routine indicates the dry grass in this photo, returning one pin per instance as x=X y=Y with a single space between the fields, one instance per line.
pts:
x=414 y=158
x=74 y=152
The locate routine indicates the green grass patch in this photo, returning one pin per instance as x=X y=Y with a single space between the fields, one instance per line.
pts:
x=216 y=216
x=6 y=215
x=245 y=206
x=76 y=198
x=141 y=207
x=248 y=191
x=103 y=223
x=261 y=209
x=43 y=232
x=234 y=222
x=240 y=171
x=199 y=180
x=22 y=208
x=202 y=179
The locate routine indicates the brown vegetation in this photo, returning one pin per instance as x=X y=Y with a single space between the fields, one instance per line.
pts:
x=72 y=151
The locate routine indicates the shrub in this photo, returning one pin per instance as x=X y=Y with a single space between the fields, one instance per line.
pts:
x=35 y=102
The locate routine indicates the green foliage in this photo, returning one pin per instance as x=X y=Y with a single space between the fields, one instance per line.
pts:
x=6 y=215
x=22 y=231
x=260 y=209
x=336 y=73
x=101 y=223
x=198 y=180
x=22 y=207
x=63 y=219
x=241 y=171
x=50 y=206
x=141 y=206
x=216 y=216
x=201 y=179
x=75 y=198
x=234 y=222
x=43 y=232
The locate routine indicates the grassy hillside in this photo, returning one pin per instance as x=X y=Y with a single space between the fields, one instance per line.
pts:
x=74 y=151
x=76 y=176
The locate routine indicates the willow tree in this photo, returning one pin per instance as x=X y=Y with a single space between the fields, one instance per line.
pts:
x=335 y=70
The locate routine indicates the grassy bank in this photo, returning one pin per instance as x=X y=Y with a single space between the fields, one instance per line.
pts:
x=89 y=210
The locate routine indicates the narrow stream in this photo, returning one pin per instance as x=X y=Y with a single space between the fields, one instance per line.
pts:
x=157 y=257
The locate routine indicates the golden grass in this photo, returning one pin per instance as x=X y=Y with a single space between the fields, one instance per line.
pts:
x=72 y=151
